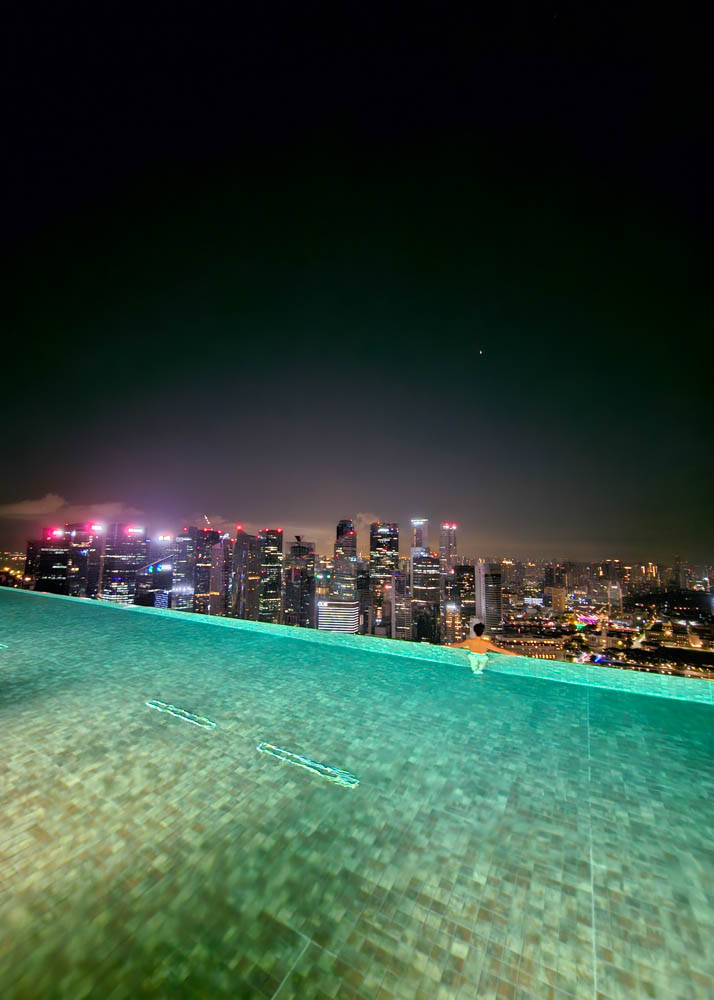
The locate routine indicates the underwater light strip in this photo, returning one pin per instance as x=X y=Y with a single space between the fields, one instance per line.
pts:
x=331 y=773
x=181 y=713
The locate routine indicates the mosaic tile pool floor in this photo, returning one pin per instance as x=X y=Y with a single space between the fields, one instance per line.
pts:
x=510 y=837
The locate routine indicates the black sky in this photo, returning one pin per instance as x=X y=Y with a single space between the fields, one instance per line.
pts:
x=251 y=262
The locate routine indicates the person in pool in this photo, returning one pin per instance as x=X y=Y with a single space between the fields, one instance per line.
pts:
x=481 y=643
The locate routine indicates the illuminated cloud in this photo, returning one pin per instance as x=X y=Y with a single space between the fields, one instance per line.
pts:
x=50 y=503
x=55 y=506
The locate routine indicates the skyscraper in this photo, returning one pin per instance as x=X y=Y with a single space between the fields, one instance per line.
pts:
x=153 y=584
x=299 y=584
x=383 y=558
x=206 y=538
x=52 y=559
x=86 y=545
x=344 y=563
x=489 y=607
x=271 y=574
x=219 y=598
x=401 y=607
x=459 y=602
x=447 y=546
x=420 y=534
x=125 y=552
x=245 y=586
x=32 y=562
x=184 y=569
x=363 y=595
x=346 y=539
x=426 y=595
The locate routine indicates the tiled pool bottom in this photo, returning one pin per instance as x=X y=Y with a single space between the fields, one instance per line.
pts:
x=509 y=836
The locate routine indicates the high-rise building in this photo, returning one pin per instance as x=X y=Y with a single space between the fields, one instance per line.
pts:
x=459 y=603
x=271 y=574
x=363 y=595
x=85 y=559
x=344 y=563
x=558 y=599
x=299 y=578
x=245 y=586
x=184 y=569
x=125 y=552
x=452 y=624
x=383 y=558
x=401 y=607
x=154 y=583
x=219 y=598
x=447 y=546
x=206 y=538
x=52 y=559
x=426 y=596
x=338 y=616
x=489 y=607
x=32 y=562
x=420 y=533
x=346 y=539
x=68 y=560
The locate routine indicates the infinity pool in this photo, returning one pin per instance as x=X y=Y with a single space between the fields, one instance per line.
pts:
x=501 y=835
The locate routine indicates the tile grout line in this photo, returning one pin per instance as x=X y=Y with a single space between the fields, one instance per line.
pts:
x=592 y=864
x=290 y=970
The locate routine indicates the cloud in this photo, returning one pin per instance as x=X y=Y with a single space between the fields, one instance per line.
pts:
x=50 y=503
x=54 y=506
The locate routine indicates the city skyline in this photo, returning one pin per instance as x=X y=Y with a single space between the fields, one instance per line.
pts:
x=16 y=529
x=634 y=614
x=469 y=545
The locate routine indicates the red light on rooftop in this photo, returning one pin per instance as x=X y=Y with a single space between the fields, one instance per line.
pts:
x=239 y=527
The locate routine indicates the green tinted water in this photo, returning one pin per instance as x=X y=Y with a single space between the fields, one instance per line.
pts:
x=510 y=836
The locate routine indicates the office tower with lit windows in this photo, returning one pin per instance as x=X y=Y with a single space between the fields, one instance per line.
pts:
x=346 y=539
x=51 y=572
x=452 y=624
x=338 y=616
x=125 y=552
x=271 y=575
x=184 y=569
x=420 y=534
x=344 y=563
x=363 y=595
x=299 y=579
x=489 y=605
x=86 y=547
x=206 y=538
x=383 y=558
x=245 y=585
x=426 y=596
x=32 y=562
x=447 y=546
x=457 y=604
x=154 y=583
x=219 y=598
x=401 y=622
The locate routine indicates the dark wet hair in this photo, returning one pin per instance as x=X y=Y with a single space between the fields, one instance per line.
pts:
x=478 y=628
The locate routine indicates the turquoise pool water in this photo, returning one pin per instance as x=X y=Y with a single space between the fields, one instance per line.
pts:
x=510 y=835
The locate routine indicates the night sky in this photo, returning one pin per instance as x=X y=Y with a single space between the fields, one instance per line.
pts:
x=251 y=264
